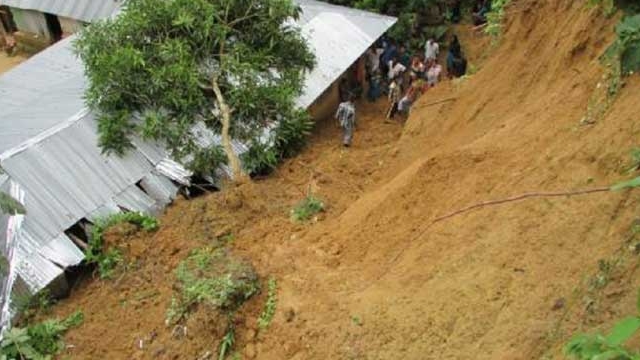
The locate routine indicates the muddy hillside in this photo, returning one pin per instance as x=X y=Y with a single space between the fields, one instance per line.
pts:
x=373 y=277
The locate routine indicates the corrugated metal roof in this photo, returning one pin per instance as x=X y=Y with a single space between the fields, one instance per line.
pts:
x=338 y=36
x=48 y=142
x=44 y=91
x=84 y=10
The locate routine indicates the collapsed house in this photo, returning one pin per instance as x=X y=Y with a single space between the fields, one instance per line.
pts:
x=52 y=163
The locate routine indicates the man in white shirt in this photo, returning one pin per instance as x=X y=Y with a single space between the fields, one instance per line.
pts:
x=431 y=50
x=395 y=69
x=373 y=59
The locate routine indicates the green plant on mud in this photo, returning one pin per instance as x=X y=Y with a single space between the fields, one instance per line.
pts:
x=37 y=342
x=495 y=18
x=621 y=59
x=108 y=259
x=603 y=276
x=28 y=306
x=212 y=277
x=270 y=305
x=610 y=346
x=307 y=208
x=608 y=6
x=635 y=160
x=227 y=342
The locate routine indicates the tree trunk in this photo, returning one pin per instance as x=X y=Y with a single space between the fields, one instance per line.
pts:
x=232 y=157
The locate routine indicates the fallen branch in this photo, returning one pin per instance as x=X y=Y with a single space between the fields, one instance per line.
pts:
x=517 y=198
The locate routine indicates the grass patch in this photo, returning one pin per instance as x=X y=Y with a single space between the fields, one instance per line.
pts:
x=306 y=209
x=227 y=343
x=37 y=342
x=107 y=260
x=212 y=277
x=270 y=305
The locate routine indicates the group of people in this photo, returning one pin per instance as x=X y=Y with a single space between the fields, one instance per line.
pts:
x=392 y=71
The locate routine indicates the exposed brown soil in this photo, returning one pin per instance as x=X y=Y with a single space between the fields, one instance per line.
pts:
x=8 y=62
x=367 y=279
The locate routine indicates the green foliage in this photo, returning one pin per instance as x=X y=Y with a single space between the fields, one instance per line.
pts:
x=212 y=277
x=28 y=306
x=10 y=206
x=608 y=6
x=495 y=18
x=108 y=259
x=260 y=159
x=207 y=160
x=151 y=72
x=415 y=18
x=633 y=183
x=626 y=49
x=227 y=343
x=610 y=346
x=270 y=305
x=603 y=276
x=306 y=208
x=287 y=139
x=635 y=160
x=37 y=342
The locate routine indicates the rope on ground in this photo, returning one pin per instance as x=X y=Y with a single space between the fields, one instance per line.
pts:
x=436 y=102
x=517 y=198
x=393 y=261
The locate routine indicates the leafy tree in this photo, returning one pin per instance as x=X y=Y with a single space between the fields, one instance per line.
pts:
x=162 y=66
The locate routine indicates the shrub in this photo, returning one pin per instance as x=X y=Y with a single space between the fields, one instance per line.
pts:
x=28 y=306
x=39 y=341
x=108 y=260
x=270 y=305
x=626 y=49
x=495 y=18
x=306 y=209
x=610 y=346
x=212 y=277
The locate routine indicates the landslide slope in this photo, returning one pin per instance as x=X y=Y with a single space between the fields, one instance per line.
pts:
x=372 y=278
x=507 y=282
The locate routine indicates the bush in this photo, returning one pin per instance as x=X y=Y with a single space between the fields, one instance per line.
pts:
x=37 y=342
x=626 y=49
x=212 y=277
x=107 y=260
x=307 y=208
x=610 y=346
x=495 y=18
x=269 y=310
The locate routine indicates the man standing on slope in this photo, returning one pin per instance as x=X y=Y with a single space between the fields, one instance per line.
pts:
x=431 y=50
x=346 y=116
